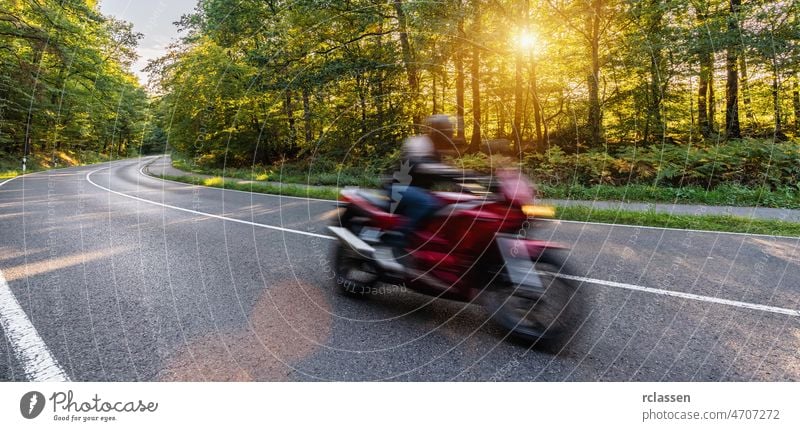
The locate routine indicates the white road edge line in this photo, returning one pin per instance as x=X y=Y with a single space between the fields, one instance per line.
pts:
x=691 y=296
x=12 y=178
x=675 y=229
x=34 y=356
x=231 y=219
x=711 y=299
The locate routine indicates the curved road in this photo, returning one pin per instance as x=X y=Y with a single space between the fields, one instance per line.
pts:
x=109 y=274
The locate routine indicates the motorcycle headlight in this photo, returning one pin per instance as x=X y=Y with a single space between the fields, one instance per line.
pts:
x=539 y=211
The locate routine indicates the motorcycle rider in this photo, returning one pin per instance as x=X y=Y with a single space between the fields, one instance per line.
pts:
x=421 y=168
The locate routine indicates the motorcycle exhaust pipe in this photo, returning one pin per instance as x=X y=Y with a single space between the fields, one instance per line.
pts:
x=344 y=235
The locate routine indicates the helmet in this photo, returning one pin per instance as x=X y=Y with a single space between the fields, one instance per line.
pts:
x=440 y=128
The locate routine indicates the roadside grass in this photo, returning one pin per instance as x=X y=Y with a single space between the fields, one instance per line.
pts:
x=290 y=174
x=718 y=223
x=296 y=190
x=11 y=168
x=8 y=174
x=724 y=194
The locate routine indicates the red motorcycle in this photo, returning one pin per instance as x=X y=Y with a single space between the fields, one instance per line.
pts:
x=477 y=248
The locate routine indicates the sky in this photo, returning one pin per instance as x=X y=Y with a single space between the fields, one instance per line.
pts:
x=154 y=19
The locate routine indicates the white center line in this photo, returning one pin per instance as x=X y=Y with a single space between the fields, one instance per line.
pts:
x=711 y=299
x=33 y=355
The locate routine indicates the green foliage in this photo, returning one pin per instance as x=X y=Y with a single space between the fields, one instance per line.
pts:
x=324 y=92
x=317 y=172
x=331 y=193
x=481 y=162
x=745 y=172
x=749 y=163
x=65 y=87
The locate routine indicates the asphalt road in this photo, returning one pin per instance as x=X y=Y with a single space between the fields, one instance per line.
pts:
x=165 y=281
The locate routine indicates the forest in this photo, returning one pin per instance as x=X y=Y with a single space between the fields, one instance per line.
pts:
x=66 y=91
x=662 y=92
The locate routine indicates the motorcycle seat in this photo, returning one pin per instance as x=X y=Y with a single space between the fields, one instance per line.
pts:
x=380 y=201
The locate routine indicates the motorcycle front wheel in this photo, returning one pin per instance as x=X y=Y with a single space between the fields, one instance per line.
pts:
x=546 y=313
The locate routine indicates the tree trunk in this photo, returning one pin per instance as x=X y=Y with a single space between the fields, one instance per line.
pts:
x=485 y=109
x=290 y=117
x=362 y=101
x=706 y=103
x=410 y=64
x=691 y=112
x=28 y=144
x=702 y=97
x=501 y=120
x=475 y=141
x=518 y=102
x=443 y=88
x=746 y=101
x=435 y=109
x=706 y=60
x=56 y=93
x=712 y=100
x=475 y=68
x=593 y=79
x=776 y=104
x=537 y=108
x=796 y=103
x=378 y=96
x=307 y=117
x=732 y=129
x=655 y=30
x=459 y=65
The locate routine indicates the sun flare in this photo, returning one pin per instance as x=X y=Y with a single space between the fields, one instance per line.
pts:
x=527 y=40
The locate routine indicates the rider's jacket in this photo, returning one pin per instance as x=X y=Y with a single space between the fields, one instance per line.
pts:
x=424 y=164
